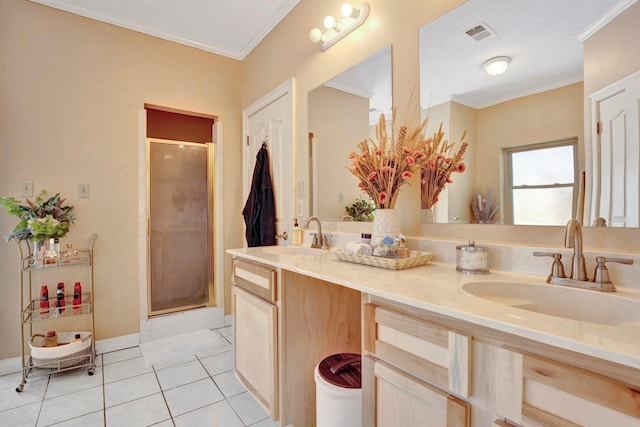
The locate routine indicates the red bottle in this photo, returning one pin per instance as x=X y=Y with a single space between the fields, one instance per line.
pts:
x=60 y=297
x=77 y=296
x=44 y=299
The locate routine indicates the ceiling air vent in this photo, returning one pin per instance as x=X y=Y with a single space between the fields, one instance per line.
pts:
x=480 y=31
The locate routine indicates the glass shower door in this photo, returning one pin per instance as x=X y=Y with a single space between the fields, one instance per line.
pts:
x=180 y=195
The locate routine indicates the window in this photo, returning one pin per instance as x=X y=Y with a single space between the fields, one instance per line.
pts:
x=541 y=183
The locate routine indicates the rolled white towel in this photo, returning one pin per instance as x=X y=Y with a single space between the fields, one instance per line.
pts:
x=358 y=248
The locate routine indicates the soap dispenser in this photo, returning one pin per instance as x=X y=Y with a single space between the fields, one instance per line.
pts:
x=296 y=233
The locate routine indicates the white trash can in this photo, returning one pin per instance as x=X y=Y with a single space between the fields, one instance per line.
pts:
x=339 y=391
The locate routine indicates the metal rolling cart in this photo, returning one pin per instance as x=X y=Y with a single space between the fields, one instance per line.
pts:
x=79 y=352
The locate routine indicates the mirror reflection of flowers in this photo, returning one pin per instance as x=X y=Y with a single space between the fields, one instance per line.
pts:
x=442 y=161
x=385 y=165
x=41 y=219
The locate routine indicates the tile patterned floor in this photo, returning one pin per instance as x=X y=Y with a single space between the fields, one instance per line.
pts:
x=200 y=390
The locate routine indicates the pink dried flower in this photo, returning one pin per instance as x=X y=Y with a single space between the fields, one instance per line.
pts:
x=371 y=175
x=461 y=167
x=352 y=155
x=388 y=169
x=382 y=197
x=406 y=150
x=410 y=161
x=407 y=174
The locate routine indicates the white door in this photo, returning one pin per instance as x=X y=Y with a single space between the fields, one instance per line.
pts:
x=270 y=120
x=616 y=156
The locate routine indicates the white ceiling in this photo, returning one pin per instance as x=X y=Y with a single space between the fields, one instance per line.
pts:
x=230 y=28
x=542 y=37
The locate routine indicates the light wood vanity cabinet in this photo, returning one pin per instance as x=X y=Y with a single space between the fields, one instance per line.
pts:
x=414 y=368
x=421 y=368
x=256 y=331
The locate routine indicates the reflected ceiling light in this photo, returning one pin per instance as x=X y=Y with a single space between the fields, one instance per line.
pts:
x=352 y=18
x=496 y=66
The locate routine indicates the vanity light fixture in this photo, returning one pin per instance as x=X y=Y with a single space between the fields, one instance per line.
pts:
x=352 y=18
x=496 y=66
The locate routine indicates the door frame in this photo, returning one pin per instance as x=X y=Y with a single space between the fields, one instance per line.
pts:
x=287 y=90
x=208 y=318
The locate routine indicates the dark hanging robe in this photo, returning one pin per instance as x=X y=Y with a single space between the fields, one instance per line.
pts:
x=260 y=211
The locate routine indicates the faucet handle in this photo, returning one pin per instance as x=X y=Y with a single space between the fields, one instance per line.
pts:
x=557 y=268
x=601 y=276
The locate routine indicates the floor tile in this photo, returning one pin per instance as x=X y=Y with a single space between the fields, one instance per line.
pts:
x=120 y=355
x=229 y=384
x=247 y=408
x=22 y=416
x=125 y=369
x=218 y=363
x=12 y=380
x=137 y=413
x=181 y=374
x=94 y=419
x=217 y=415
x=71 y=405
x=171 y=363
x=227 y=331
x=225 y=347
x=71 y=381
x=166 y=423
x=33 y=392
x=192 y=396
x=131 y=388
x=265 y=423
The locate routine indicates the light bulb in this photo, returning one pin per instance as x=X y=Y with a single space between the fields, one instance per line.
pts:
x=346 y=10
x=329 y=22
x=315 y=35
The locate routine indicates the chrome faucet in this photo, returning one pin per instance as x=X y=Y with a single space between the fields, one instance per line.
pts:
x=578 y=278
x=573 y=239
x=318 y=238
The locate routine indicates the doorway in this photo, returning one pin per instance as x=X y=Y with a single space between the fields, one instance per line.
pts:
x=180 y=207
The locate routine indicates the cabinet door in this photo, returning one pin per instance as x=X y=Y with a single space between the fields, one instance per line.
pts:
x=536 y=391
x=255 y=347
x=402 y=400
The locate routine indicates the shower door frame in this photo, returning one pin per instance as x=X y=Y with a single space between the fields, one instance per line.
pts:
x=211 y=296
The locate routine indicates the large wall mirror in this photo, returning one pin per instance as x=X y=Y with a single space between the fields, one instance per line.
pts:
x=525 y=126
x=342 y=112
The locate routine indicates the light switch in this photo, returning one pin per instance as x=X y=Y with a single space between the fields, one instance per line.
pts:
x=302 y=188
x=83 y=190
x=340 y=197
x=299 y=208
x=26 y=188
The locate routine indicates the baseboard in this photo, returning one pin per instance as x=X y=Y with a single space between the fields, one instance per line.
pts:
x=117 y=343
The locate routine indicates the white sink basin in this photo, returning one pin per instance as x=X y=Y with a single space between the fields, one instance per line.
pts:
x=293 y=250
x=554 y=300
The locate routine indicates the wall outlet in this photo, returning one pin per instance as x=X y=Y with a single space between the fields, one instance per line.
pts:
x=302 y=188
x=26 y=188
x=83 y=190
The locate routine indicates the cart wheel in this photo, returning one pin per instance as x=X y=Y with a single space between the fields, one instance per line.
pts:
x=20 y=387
x=91 y=370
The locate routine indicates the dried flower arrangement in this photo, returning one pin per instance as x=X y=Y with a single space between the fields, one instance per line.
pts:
x=441 y=163
x=483 y=209
x=385 y=165
x=41 y=219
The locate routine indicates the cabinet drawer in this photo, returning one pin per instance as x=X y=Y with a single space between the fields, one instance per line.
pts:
x=258 y=279
x=405 y=401
x=533 y=390
x=425 y=350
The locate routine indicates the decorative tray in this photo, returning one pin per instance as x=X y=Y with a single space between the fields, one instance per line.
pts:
x=415 y=259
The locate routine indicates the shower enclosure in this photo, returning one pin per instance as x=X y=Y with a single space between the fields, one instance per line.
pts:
x=180 y=207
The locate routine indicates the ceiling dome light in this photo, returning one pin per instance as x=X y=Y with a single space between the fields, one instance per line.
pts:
x=496 y=66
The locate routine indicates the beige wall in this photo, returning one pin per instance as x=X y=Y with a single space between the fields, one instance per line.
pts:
x=71 y=89
x=543 y=117
x=336 y=119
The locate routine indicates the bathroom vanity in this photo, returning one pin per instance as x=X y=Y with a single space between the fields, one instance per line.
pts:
x=434 y=346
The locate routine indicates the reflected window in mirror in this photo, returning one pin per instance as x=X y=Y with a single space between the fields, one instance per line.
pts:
x=541 y=183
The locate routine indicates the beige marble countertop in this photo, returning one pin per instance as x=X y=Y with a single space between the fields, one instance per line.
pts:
x=437 y=287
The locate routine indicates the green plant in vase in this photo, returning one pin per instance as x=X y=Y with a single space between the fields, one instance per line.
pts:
x=44 y=218
x=361 y=210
